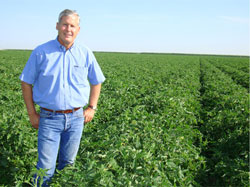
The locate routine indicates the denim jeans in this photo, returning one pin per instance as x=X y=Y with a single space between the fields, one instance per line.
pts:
x=59 y=136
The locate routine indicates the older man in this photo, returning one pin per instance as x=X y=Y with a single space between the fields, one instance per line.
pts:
x=57 y=77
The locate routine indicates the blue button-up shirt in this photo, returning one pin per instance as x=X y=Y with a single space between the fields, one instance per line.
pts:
x=61 y=77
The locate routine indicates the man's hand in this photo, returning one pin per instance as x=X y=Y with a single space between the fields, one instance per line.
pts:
x=28 y=99
x=34 y=120
x=88 y=114
x=93 y=99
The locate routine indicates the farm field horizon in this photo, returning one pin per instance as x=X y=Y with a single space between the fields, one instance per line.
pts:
x=162 y=120
x=148 y=52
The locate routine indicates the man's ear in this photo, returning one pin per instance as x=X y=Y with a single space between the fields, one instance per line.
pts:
x=57 y=26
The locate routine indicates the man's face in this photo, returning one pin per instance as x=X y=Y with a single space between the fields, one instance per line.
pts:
x=68 y=28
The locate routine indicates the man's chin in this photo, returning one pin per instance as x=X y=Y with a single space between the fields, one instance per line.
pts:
x=68 y=41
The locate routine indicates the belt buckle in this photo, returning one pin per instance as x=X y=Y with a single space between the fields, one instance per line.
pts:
x=68 y=111
x=63 y=111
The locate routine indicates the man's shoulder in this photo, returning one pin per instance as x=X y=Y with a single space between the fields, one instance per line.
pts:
x=46 y=47
x=82 y=48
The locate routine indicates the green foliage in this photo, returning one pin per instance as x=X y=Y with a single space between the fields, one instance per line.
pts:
x=17 y=139
x=162 y=120
x=240 y=77
x=226 y=127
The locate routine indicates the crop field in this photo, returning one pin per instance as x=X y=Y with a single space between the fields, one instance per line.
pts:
x=162 y=120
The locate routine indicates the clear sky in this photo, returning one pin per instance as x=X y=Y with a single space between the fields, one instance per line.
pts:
x=170 y=26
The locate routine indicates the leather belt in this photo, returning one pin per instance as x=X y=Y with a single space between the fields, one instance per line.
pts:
x=62 y=111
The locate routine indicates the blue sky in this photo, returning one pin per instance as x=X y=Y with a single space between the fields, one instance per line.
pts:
x=170 y=26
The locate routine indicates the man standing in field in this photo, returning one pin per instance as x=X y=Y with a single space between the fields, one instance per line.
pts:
x=57 y=77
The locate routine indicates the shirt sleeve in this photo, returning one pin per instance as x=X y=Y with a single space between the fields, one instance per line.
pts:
x=29 y=73
x=95 y=74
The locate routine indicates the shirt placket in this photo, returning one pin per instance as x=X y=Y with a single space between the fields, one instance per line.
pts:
x=65 y=78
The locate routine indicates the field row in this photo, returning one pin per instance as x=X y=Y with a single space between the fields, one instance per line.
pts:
x=225 y=115
x=162 y=120
x=238 y=63
x=240 y=77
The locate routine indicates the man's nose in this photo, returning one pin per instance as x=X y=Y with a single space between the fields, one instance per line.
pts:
x=68 y=27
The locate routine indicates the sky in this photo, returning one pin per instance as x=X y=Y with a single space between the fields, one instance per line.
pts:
x=160 y=26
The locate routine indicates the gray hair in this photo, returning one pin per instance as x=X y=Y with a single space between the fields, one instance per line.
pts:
x=68 y=12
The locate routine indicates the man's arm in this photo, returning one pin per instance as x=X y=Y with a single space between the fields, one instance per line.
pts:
x=28 y=99
x=93 y=100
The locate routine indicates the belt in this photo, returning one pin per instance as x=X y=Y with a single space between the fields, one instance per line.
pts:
x=62 y=111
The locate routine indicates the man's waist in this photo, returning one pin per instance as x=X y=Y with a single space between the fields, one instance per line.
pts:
x=62 y=111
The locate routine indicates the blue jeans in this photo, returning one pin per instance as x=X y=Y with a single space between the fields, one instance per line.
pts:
x=59 y=136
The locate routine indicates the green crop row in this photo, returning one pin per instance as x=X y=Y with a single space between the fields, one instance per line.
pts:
x=226 y=127
x=240 y=77
x=239 y=63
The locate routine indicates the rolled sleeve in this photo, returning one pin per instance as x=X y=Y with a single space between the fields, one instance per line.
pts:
x=95 y=74
x=30 y=70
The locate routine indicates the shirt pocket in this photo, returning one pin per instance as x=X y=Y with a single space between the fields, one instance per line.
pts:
x=80 y=74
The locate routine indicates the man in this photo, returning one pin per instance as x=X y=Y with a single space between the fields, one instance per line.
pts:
x=57 y=77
